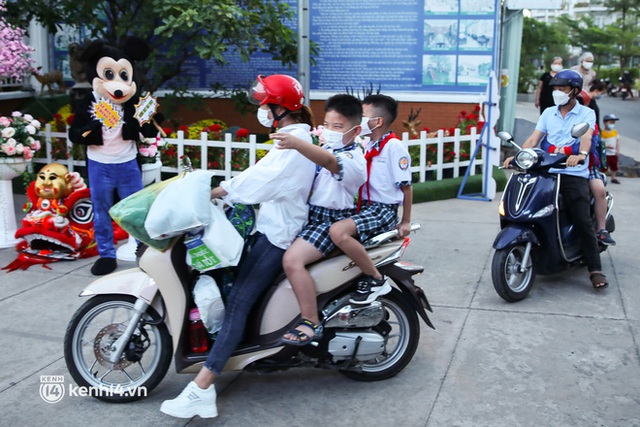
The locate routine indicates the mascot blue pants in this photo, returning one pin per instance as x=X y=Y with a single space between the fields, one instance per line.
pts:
x=105 y=180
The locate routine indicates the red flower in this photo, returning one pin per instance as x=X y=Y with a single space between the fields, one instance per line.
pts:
x=463 y=113
x=183 y=128
x=469 y=128
x=167 y=131
x=70 y=119
x=480 y=125
x=476 y=108
x=242 y=133
x=215 y=127
x=452 y=131
x=57 y=116
x=471 y=117
x=216 y=164
x=426 y=129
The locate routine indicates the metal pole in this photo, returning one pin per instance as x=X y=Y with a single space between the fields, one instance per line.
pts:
x=303 y=47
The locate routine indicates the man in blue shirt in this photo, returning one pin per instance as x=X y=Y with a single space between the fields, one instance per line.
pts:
x=555 y=124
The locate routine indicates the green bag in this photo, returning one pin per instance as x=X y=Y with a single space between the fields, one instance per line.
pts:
x=131 y=213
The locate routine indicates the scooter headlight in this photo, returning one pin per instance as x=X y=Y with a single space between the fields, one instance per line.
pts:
x=526 y=158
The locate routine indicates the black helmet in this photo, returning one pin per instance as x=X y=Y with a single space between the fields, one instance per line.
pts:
x=610 y=117
x=567 y=78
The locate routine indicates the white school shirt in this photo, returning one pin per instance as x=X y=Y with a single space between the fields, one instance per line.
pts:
x=337 y=191
x=114 y=149
x=388 y=170
x=280 y=182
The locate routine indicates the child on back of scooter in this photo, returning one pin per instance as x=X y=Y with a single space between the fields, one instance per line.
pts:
x=388 y=185
x=340 y=172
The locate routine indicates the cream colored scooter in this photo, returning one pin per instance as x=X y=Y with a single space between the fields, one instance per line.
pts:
x=121 y=341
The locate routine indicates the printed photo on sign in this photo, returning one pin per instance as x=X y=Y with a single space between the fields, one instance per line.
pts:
x=440 y=34
x=439 y=69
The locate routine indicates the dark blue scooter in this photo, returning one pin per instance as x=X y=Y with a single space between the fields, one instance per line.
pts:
x=537 y=234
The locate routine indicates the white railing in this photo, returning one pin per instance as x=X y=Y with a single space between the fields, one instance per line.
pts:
x=436 y=168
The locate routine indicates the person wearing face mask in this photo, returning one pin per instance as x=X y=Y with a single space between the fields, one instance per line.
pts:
x=340 y=172
x=544 y=98
x=585 y=69
x=611 y=145
x=280 y=182
x=388 y=186
x=555 y=124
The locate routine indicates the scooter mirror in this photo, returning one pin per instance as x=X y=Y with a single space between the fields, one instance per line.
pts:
x=579 y=129
x=505 y=136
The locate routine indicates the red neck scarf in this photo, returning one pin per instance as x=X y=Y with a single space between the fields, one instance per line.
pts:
x=369 y=156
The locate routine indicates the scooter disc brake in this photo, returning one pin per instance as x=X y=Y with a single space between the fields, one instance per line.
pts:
x=102 y=346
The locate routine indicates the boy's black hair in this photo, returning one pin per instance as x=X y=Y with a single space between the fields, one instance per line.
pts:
x=386 y=105
x=347 y=105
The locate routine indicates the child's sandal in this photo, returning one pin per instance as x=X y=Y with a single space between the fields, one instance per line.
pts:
x=302 y=338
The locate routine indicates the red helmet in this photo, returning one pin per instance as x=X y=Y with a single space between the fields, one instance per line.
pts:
x=277 y=89
x=585 y=97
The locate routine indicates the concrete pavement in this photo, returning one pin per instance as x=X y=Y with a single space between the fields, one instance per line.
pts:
x=566 y=356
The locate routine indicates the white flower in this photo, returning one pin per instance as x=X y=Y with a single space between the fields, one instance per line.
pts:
x=16 y=114
x=11 y=142
x=28 y=117
x=8 y=132
x=19 y=148
x=31 y=130
x=35 y=124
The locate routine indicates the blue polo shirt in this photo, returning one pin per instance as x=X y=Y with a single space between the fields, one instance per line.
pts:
x=558 y=132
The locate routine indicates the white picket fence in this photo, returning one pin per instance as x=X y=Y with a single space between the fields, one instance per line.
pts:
x=437 y=168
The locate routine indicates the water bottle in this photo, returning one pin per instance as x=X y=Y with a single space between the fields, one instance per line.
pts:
x=198 y=336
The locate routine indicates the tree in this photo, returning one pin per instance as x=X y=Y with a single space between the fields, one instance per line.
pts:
x=540 y=43
x=177 y=30
x=626 y=33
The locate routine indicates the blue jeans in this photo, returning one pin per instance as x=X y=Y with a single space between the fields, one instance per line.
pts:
x=258 y=270
x=104 y=180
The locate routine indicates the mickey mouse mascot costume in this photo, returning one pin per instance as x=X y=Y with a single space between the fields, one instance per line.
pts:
x=105 y=123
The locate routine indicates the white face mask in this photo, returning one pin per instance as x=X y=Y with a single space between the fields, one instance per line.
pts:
x=560 y=98
x=610 y=126
x=263 y=118
x=556 y=68
x=365 y=126
x=587 y=64
x=334 y=139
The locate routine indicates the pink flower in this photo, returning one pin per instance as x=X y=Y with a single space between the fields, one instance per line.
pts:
x=36 y=145
x=5 y=121
x=27 y=153
x=153 y=150
x=8 y=149
x=144 y=151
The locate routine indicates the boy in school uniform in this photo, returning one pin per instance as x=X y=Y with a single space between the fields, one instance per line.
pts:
x=388 y=186
x=340 y=172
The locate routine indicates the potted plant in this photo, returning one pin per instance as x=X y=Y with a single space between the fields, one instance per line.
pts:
x=18 y=143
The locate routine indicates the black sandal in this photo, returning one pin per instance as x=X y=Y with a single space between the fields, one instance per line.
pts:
x=303 y=338
x=598 y=280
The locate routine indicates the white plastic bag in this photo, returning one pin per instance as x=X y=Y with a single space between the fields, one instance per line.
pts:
x=207 y=296
x=181 y=206
x=216 y=245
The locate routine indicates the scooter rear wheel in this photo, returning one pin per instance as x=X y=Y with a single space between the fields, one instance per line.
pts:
x=509 y=282
x=401 y=343
x=92 y=331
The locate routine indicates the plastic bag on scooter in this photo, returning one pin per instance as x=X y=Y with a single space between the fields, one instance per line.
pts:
x=130 y=213
x=181 y=206
x=216 y=245
x=206 y=295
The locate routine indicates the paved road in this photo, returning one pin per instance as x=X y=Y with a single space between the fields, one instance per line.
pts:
x=566 y=356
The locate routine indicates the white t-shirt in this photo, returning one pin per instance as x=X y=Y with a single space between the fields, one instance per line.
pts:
x=388 y=170
x=337 y=191
x=114 y=149
x=280 y=182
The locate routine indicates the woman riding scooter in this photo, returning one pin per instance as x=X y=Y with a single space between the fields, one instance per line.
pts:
x=280 y=182
x=556 y=124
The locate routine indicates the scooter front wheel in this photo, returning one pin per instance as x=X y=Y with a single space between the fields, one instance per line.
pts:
x=509 y=280
x=89 y=340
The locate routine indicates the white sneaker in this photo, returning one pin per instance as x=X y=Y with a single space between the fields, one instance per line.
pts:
x=191 y=402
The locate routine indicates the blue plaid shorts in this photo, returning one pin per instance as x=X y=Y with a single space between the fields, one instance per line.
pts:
x=317 y=230
x=595 y=173
x=375 y=218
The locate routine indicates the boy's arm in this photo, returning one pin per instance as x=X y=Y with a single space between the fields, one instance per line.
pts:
x=404 y=228
x=317 y=155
